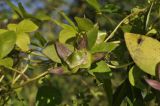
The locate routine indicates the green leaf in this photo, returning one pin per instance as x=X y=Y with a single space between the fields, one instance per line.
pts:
x=43 y=17
x=26 y=26
x=66 y=34
x=23 y=41
x=94 y=4
x=41 y=41
x=129 y=101
x=12 y=27
x=135 y=76
x=101 y=68
x=15 y=8
x=151 y=32
x=7 y=62
x=92 y=37
x=126 y=28
x=145 y=51
x=3 y=31
x=101 y=37
x=51 y=53
x=68 y=19
x=79 y=58
x=84 y=24
x=7 y=42
x=104 y=47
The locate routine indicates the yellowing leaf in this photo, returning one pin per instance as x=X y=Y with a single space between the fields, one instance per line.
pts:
x=23 y=41
x=145 y=51
x=26 y=26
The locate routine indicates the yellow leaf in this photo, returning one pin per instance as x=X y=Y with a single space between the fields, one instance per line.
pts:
x=145 y=51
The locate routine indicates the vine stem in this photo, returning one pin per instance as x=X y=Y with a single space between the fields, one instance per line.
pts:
x=114 y=31
x=32 y=79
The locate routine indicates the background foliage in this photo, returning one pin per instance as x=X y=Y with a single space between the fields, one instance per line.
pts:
x=79 y=53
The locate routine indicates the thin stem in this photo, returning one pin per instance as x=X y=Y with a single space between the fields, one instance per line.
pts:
x=120 y=66
x=12 y=69
x=116 y=42
x=24 y=70
x=32 y=79
x=126 y=18
x=1 y=78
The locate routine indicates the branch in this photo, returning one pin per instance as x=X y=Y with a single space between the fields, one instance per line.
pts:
x=130 y=15
x=32 y=79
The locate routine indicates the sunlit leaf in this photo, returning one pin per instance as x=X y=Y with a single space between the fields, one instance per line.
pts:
x=26 y=26
x=51 y=53
x=12 y=27
x=101 y=37
x=23 y=41
x=7 y=42
x=145 y=51
x=67 y=33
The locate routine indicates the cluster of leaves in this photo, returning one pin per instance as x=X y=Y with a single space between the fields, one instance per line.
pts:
x=83 y=47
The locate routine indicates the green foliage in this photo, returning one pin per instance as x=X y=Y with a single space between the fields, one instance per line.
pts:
x=84 y=24
x=95 y=60
x=26 y=26
x=7 y=42
x=92 y=37
x=51 y=53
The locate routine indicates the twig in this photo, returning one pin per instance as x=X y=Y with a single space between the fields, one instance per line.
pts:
x=120 y=66
x=32 y=79
x=24 y=70
x=130 y=15
x=12 y=69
